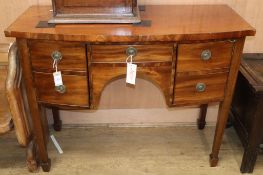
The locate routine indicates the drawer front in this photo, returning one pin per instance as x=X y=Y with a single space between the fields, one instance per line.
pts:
x=204 y=56
x=145 y=53
x=199 y=89
x=76 y=93
x=73 y=55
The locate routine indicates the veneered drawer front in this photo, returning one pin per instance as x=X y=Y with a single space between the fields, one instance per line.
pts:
x=73 y=55
x=145 y=53
x=76 y=93
x=191 y=57
x=199 y=89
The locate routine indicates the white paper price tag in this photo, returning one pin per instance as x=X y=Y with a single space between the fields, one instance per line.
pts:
x=131 y=73
x=58 y=78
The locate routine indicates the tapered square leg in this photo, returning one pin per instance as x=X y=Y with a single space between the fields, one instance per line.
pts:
x=213 y=160
x=57 y=121
x=46 y=165
x=202 y=117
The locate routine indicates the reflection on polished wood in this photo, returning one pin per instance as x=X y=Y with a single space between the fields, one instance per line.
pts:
x=169 y=23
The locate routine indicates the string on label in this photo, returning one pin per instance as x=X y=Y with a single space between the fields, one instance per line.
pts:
x=55 y=64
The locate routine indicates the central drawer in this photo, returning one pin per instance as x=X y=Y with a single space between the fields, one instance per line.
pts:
x=144 y=53
x=154 y=63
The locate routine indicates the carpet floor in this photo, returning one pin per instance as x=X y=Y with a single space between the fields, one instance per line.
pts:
x=131 y=151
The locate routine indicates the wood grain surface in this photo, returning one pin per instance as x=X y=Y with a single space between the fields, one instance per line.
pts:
x=73 y=56
x=77 y=92
x=159 y=74
x=202 y=22
x=145 y=53
x=250 y=11
x=189 y=56
x=93 y=6
x=186 y=93
x=224 y=108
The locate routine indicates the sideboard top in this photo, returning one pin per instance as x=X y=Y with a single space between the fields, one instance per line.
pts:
x=168 y=23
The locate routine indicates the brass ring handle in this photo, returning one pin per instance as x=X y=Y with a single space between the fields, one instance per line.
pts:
x=200 y=87
x=131 y=51
x=56 y=55
x=61 y=89
x=206 y=55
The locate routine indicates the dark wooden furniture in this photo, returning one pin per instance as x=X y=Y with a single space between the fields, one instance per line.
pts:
x=247 y=108
x=193 y=58
x=94 y=11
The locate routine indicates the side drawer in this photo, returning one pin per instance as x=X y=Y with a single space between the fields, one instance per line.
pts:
x=73 y=55
x=199 y=89
x=145 y=53
x=76 y=94
x=204 y=56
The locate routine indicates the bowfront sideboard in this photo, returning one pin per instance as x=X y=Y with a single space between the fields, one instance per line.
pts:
x=191 y=52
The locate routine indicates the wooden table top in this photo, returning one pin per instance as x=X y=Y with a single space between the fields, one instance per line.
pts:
x=168 y=23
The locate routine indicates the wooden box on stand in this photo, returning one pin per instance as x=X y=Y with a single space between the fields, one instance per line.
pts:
x=94 y=11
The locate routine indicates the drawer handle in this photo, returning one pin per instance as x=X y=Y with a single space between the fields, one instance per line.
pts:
x=206 y=55
x=200 y=87
x=56 y=55
x=131 y=51
x=61 y=89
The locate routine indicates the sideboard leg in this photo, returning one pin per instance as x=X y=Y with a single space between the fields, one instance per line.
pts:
x=254 y=139
x=46 y=166
x=220 y=126
x=32 y=160
x=249 y=159
x=201 y=120
x=226 y=103
x=39 y=130
x=57 y=121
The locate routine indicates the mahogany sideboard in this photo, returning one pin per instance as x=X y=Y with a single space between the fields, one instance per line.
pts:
x=191 y=52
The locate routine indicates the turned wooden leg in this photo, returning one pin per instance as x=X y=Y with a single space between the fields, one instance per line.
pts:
x=254 y=140
x=225 y=104
x=57 y=121
x=39 y=129
x=32 y=159
x=201 y=120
